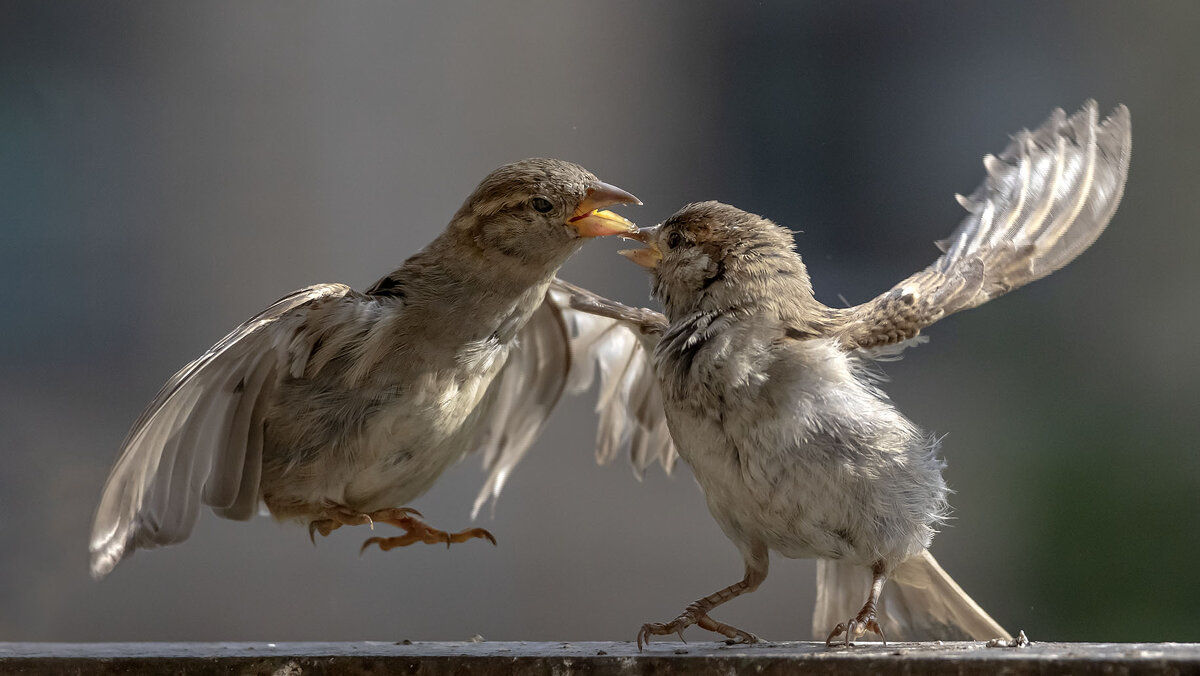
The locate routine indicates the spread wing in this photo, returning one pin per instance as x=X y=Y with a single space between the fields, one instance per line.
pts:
x=555 y=353
x=620 y=341
x=518 y=402
x=1046 y=198
x=200 y=440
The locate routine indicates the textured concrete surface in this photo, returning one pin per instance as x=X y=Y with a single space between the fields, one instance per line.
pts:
x=594 y=658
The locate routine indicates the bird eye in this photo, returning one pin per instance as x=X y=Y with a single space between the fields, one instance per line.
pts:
x=673 y=240
x=542 y=205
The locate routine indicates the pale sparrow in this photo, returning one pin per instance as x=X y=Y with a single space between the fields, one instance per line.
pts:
x=769 y=400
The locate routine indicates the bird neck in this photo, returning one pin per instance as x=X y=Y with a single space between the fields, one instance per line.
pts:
x=777 y=290
x=464 y=293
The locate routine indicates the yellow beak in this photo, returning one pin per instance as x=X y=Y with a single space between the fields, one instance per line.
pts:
x=592 y=220
x=650 y=255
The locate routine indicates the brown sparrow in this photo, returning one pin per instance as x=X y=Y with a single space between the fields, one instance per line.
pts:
x=334 y=407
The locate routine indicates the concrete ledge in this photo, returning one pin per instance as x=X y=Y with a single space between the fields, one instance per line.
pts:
x=594 y=658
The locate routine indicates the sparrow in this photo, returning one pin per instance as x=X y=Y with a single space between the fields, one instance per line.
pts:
x=768 y=395
x=335 y=407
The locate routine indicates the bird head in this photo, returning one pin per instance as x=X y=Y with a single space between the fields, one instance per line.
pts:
x=712 y=256
x=537 y=212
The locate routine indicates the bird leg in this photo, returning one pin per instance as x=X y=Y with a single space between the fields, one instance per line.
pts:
x=417 y=530
x=865 y=620
x=697 y=612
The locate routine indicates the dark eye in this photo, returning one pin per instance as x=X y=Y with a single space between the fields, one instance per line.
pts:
x=673 y=240
x=542 y=205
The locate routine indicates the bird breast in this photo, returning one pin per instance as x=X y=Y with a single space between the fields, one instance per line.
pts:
x=796 y=450
x=384 y=443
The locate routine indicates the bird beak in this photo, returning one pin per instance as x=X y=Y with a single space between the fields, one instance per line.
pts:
x=591 y=219
x=650 y=255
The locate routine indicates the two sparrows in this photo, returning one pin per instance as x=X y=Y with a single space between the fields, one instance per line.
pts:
x=334 y=407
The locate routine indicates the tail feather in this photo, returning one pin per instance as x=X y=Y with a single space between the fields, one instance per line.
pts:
x=920 y=602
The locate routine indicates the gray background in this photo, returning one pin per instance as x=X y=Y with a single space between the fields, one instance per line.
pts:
x=168 y=169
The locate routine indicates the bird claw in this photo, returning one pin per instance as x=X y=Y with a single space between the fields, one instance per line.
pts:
x=336 y=516
x=406 y=518
x=322 y=526
x=649 y=629
x=743 y=637
x=855 y=628
x=419 y=531
x=312 y=530
x=368 y=542
x=692 y=616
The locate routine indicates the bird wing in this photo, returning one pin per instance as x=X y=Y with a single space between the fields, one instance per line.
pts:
x=1046 y=198
x=620 y=340
x=200 y=439
x=520 y=398
x=555 y=353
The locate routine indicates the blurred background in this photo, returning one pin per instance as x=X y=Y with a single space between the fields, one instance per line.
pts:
x=168 y=169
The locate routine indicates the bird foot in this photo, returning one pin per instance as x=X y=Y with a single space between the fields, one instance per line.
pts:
x=861 y=624
x=418 y=531
x=690 y=616
x=407 y=518
x=337 y=516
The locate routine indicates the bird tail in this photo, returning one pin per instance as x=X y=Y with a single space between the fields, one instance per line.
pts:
x=920 y=603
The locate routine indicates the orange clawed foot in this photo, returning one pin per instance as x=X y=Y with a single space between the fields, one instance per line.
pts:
x=861 y=624
x=337 y=516
x=692 y=615
x=406 y=518
x=417 y=530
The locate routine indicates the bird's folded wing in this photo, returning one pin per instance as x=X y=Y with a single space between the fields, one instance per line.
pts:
x=557 y=351
x=1046 y=198
x=200 y=440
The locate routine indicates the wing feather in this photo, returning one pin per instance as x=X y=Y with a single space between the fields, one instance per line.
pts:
x=245 y=504
x=558 y=351
x=517 y=404
x=200 y=439
x=1046 y=198
x=618 y=341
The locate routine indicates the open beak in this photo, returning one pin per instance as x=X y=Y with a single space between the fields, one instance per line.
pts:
x=591 y=219
x=648 y=256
